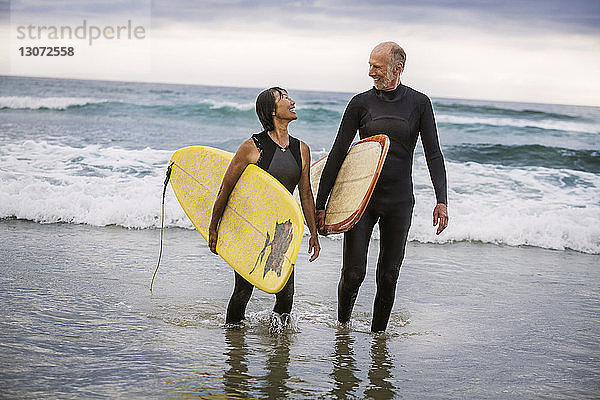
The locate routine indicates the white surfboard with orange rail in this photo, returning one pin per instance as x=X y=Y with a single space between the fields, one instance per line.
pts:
x=354 y=184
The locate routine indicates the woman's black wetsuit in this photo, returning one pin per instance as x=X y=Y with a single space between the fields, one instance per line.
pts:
x=401 y=114
x=285 y=165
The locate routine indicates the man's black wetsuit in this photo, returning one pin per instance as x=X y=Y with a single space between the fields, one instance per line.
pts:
x=401 y=114
x=286 y=166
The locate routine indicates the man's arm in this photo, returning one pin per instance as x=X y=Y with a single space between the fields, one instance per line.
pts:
x=435 y=163
x=346 y=133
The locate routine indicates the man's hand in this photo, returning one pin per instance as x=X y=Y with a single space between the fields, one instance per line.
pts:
x=440 y=215
x=320 y=217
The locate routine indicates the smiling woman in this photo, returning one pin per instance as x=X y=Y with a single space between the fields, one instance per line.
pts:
x=268 y=150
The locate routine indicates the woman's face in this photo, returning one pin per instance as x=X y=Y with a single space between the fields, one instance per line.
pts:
x=285 y=107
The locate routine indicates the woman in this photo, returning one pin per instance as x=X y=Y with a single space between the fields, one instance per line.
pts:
x=288 y=160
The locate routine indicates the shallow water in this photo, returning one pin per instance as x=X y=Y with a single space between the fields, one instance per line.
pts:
x=470 y=321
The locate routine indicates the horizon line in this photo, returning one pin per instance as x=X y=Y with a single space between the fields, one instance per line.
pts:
x=295 y=89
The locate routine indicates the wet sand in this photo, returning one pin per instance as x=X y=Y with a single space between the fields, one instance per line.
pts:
x=470 y=321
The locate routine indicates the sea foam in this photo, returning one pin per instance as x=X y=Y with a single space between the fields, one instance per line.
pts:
x=99 y=185
x=91 y=185
x=36 y=103
x=546 y=124
x=216 y=104
x=550 y=208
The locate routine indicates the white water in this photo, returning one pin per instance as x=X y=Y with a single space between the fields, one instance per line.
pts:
x=99 y=186
x=550 y=124
x=35 y=103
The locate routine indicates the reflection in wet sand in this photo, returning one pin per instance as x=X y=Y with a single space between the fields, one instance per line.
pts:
x=344 y=366
x=278 y=359
x=236 y=377
x=380 y=373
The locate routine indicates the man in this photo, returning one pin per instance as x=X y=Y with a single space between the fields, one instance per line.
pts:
x=401 y=113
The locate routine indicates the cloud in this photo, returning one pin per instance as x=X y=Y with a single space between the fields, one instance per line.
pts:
x=576 y=16
x=506 y=50
x=70 y=11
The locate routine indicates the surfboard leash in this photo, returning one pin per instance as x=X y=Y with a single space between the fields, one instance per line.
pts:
x=162 y=221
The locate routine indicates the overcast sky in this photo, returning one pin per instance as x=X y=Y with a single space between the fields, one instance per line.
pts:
x=538 y=51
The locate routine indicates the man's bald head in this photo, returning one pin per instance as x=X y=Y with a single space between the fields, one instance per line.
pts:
x=386 y=63
x=396 y=54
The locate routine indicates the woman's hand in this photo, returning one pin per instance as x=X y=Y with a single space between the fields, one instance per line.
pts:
x=314 y=247
x=213 y=236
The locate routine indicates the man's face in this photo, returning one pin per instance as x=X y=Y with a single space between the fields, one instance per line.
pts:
x=383 y=74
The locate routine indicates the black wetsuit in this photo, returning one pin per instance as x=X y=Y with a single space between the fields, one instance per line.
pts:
x=286 y=166
x=401 y=114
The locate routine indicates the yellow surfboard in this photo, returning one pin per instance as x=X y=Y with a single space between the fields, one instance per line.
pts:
x=354 y=184
x=261 y=229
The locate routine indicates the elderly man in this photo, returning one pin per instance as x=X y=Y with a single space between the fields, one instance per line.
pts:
x=401 y=113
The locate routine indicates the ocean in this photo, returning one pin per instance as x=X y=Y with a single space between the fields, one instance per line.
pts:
x=503 y=304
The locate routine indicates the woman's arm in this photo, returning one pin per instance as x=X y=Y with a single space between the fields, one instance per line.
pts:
x=308 y=202
x=246 y=154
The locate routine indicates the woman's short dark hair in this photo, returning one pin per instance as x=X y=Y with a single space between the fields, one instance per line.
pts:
x=265 y=106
